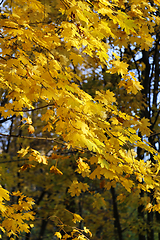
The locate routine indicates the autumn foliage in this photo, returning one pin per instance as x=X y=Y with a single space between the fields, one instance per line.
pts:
x=48 y=51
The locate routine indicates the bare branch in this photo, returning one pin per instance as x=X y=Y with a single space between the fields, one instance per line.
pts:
x=139 y=76
x=1 y=2
x=156 y=118
x=35 y=138
x=31 y=110
x=7 y=119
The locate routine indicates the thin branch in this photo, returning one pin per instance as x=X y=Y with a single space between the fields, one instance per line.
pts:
x=156 y=118
x=135 y=62
x=154 y=49
x=31 y=110
x=66 y=5
x=10 y=27
x=6 y=119
x=9 y=138
x=9 y=57
x=34 y=23
x=35 y=138
x=3 y=58
x=1 y=2
x=154 y=134
x=19 y=160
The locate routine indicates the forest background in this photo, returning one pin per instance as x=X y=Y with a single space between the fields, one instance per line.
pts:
x=79 y=114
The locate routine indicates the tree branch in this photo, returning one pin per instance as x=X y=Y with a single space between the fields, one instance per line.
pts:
x=1 y=2
x=139 y=76
x=35 y=138
x=156 y=118
x=31 y=110
x=6 y=119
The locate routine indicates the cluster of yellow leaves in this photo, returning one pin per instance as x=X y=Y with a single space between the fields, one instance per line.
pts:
x=75 y=233
x=99 y=201
x=29 y=122
x=131 y=84
x=34 y=155
x=83 y=168
x=13 y=217
x=77 y=187
x=4 y=196
x=77 y=218
x=88 y=33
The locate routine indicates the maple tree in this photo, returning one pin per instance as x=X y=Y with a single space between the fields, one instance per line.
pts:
x=48 y=52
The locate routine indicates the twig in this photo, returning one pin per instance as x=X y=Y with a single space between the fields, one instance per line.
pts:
x=31 y=110
x=156 y=118
x=6 y=119
x=35 y=138
x=1 y=2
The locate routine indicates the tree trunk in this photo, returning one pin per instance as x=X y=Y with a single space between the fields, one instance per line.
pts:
x=117 y=225
x=42 y=230
x=141 y=216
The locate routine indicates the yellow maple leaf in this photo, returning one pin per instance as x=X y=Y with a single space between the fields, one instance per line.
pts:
x=77 y=187
x=28 y=120
x=96 y=172
x=25 y=166
x=4 y=194
x=107 y=173
x=107 y=97
x=103 y=162
x=144 y=125
x=83 y=168
x=149 y=207
x=121 y=197
x=2 y=229
x=87 y=231
x=42 y=159
x=55 y=170
x=139 y=177
x=58 y=234
x=65 y=236
x=80 y=237
x=23 y=151
x=118 y=67
x=99 y=201
x=133 y=86
x=128 y=184
x=31 y=129
x=76 y=218
x=76 y=58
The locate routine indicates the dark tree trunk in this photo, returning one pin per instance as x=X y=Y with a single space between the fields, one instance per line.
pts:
x=141 y=217
x=42 y=230
x=117 y=225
